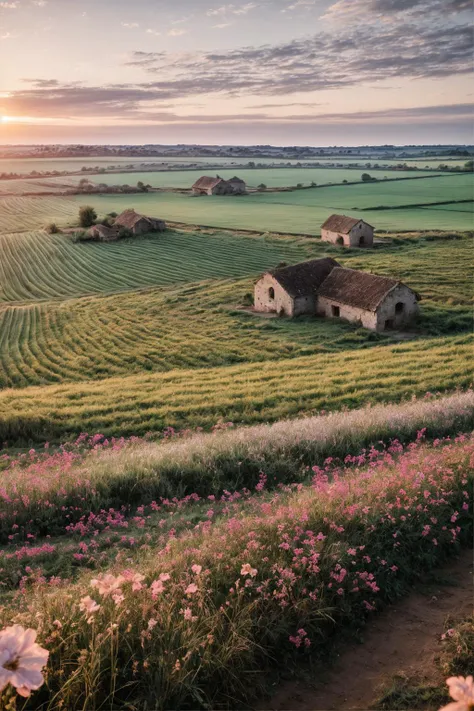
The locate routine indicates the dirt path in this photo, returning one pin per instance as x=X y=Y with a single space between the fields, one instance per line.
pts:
x=403 y=638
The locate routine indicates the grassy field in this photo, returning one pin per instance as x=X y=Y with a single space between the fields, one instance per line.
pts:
x=272 y=177
x=27 y=165
x=298 y=211
x=198 y=325
x=246 y=393
x=304 y=211
x=36 y=265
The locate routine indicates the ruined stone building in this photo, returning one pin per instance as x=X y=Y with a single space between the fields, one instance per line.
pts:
x=219 y=186
x=139 y=224
x=322 y=287
x=347 y=231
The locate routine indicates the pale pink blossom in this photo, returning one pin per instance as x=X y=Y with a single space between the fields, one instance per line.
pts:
x=462 y=691
x=152 y=623
x=108 y=584
x=196 y=569
x=134 y=578
x=88 y=605
x=156 y=588
x=191 y=589
x=21 y=660
x=248 y=570
x=164 y=577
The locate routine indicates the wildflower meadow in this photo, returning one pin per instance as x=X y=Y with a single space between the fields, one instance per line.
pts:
x=188 y=600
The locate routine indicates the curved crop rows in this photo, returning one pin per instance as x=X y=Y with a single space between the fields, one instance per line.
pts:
x=244 y=393
x=37 y=265
x=190 y=326
x=19 y=214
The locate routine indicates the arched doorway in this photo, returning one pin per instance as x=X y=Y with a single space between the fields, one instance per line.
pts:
x=340 y=241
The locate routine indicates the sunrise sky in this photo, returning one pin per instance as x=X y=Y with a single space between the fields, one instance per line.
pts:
x=319 y=72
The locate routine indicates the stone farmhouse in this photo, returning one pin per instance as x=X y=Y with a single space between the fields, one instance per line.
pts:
x=139 y=224
x=347 y=231
x=323 y=287
x=130 y=220
x=219 y=186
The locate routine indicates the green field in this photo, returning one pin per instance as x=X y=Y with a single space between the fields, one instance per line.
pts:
x=198 y=325
x=271 y=177
x=27 y=165
x=138 y=334
x=248 y=393
x=300 y=211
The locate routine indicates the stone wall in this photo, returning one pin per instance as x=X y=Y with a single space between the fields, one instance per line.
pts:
x=364 y=231
x=388 y=311
x=399 y=309
x=263 y=301
x=328 y=308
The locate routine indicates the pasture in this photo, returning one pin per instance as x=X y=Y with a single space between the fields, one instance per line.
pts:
x=199 y=324
x=303 y=211
x=271 y=177
x=248 y=393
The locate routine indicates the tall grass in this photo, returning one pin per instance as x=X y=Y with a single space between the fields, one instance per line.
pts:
x=35 y=494
x=198 y=623
x=245 y=394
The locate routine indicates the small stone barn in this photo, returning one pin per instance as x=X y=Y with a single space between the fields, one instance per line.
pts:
x=292 y=290
x=218 y=186
x=376 y=302
x=102 y=233
x=347 y=231
x=138 y=224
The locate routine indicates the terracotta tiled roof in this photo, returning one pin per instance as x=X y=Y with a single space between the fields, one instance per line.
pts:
x=341 y=223
x=304 y=278
x=205 y=183
x=354 y=288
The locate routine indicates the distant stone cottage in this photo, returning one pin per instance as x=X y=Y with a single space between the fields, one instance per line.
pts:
x=139 y=224
x=129 y=220
x=323 y=287
x=219 y=186
x=347 y=231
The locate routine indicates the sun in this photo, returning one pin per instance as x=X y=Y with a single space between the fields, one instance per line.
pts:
x=6 y=119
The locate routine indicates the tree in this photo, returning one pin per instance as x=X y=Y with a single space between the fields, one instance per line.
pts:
x=469 y=165
x=52 y=228
x=141 y=186
x=262 y=186
x=87 y=216
x=367 y=178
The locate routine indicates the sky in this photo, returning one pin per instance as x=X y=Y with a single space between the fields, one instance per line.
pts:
x=281 y=72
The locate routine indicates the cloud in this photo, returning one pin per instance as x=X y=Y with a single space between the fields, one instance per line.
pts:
x=232 y=9
x=177 y=33
x=9 y=5
x=222 y=25
x=350 y=57
x=130 y=25
x=40 y=3
x=351 y=10
x=300 y=5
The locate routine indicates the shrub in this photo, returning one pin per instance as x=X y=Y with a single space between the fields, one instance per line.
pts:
x=52 y=228
x=87 y=216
